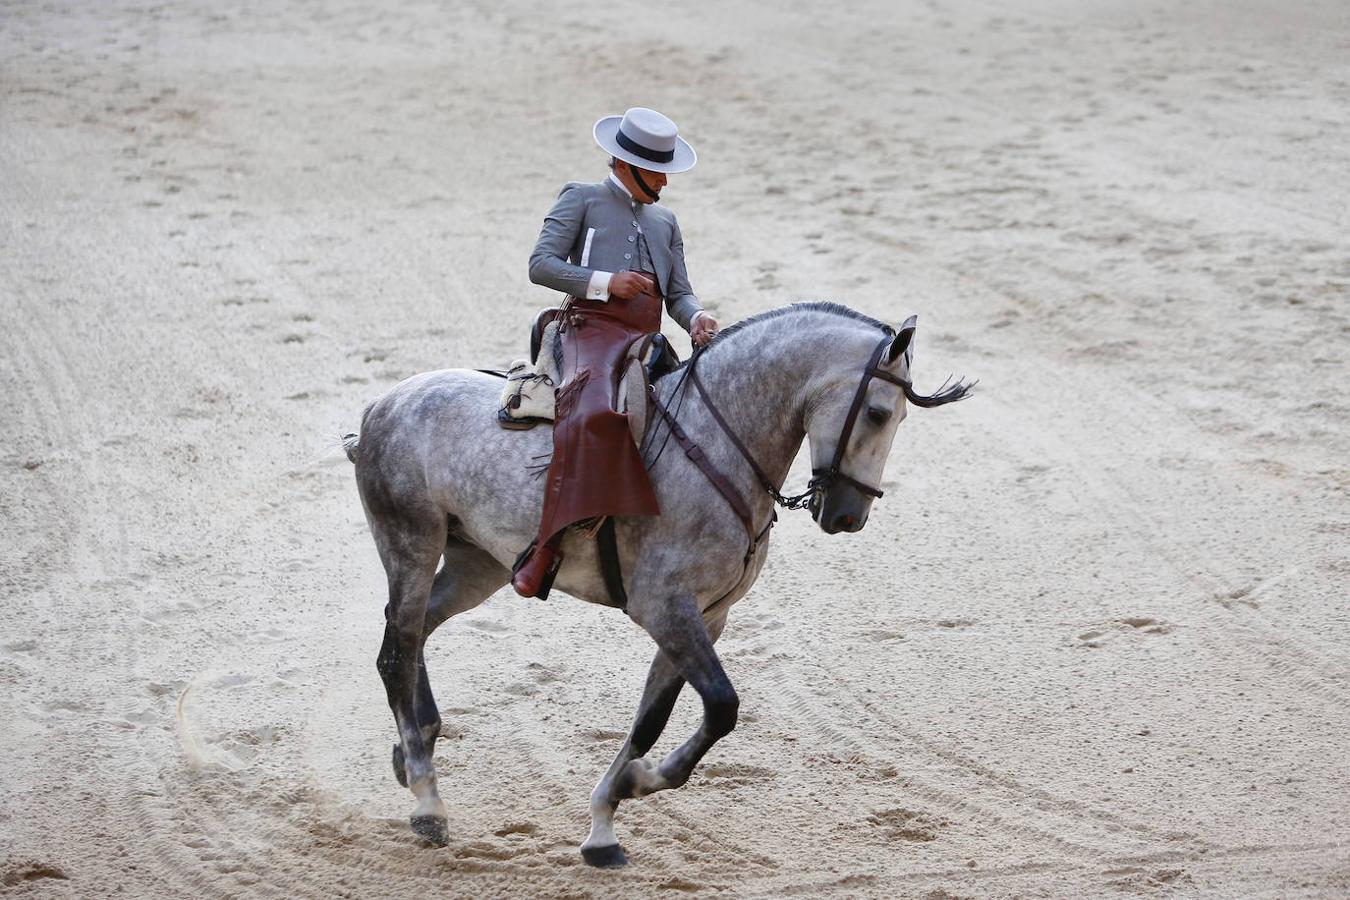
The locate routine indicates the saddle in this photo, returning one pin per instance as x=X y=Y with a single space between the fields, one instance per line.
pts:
x=530 y=394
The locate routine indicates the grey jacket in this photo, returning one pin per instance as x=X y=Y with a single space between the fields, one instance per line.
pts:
x=593 y=228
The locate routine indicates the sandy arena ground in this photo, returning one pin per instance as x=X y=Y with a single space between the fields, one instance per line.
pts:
x=1093 y=641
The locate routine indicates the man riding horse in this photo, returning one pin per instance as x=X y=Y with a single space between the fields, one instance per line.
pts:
x=617 y=256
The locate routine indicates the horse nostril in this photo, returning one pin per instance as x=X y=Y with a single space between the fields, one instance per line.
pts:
x=845 y=522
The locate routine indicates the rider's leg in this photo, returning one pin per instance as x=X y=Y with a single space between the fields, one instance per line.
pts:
x=534 y=575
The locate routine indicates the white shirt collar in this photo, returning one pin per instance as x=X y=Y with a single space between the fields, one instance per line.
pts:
x=615 y=178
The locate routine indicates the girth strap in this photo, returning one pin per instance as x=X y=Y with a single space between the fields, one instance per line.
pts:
x=610 y=570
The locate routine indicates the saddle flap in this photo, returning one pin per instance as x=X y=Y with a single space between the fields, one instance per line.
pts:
x=530 y=394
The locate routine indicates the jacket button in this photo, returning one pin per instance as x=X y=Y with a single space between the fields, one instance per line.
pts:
x=635 y=223
x=630 y=239
x=628 y=256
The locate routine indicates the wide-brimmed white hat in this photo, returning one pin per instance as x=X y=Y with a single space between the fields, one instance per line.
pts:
x=644 y=138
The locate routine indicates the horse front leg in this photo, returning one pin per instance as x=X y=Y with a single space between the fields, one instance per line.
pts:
x=686 y=655
x=601 y=847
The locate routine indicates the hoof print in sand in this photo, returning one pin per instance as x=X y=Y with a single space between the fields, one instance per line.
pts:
x=1099 y=635
x=1137 y=878
x=1242 y=596
x=907 y=824
x=18 y=873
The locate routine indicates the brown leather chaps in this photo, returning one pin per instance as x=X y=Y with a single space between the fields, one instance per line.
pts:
x=596 y=469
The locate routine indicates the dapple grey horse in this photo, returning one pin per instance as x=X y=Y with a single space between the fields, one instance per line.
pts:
x=441 y=483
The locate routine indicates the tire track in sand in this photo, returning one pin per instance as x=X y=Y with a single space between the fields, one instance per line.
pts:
x=1296 y=661
x=1076 y=829
x=1285 y=648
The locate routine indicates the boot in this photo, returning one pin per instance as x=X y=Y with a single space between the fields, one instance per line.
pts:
x=534 y=577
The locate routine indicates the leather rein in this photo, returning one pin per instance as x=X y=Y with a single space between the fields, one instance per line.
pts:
x=822 y=479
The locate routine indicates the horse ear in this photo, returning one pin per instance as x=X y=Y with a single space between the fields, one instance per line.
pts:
x=904 y=342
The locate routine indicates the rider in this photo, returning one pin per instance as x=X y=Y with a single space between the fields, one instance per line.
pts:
x=617 y=256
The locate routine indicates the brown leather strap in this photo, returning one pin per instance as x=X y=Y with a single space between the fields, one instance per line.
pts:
x=705 y=465
x=726 y=427
x=856 y=406
x=887 y=376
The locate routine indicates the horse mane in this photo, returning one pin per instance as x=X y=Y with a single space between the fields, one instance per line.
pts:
x=949 y=392
x=779 y=312
x=822 y=306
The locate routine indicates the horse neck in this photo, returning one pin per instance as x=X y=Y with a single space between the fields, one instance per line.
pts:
x=761 y=381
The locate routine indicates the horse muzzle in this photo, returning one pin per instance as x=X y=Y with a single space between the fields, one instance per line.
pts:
x=835 y=513
x=845 y=522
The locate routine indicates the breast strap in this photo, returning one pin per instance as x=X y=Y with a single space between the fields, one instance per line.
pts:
x=710 y=471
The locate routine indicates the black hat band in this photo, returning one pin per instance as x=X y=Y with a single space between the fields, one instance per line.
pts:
x=632 y=146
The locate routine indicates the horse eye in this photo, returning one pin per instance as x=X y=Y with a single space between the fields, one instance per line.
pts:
x=877 y=416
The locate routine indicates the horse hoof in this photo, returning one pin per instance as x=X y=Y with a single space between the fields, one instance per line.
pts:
x=400 y=770
x=611 y=857
x=432 y=829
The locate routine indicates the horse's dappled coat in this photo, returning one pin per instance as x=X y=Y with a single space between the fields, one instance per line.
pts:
x=442 y=483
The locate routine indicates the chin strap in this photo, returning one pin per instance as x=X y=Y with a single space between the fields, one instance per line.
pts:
x=642 y=185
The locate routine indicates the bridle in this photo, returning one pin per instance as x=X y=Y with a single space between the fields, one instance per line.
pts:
x=822 y=480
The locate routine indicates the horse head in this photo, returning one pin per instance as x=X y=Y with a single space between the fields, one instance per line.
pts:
x=851 y=426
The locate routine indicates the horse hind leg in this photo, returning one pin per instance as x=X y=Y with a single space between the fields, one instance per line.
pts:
x=428 y=721
x=409 y=547
x=468 y=576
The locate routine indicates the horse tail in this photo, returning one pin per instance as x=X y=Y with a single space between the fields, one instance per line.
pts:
x=351 y=442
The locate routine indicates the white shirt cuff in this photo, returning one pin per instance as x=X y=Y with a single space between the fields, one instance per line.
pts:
x=598 y=289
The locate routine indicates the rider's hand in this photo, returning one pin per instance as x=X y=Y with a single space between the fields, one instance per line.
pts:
x=627 y=285
x=703 y=328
